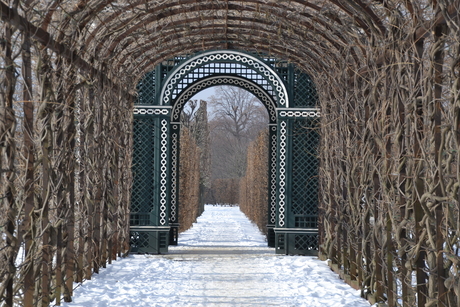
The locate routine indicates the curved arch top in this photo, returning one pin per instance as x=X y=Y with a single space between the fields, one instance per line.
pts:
x=252 y=87
x=217 y=56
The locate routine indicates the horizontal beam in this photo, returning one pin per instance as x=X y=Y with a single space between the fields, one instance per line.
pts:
x=297 y=230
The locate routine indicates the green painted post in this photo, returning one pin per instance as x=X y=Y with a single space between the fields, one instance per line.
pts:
x=151 y=187
x=297 y=229
x=272 y=185
x=174 y=208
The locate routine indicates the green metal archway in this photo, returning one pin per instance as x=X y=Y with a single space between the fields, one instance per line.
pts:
x=291 y=101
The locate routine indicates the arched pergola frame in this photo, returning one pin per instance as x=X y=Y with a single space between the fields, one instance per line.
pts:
x=274 y=84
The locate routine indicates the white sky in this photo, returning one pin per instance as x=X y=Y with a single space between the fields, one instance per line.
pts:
x=205 y=94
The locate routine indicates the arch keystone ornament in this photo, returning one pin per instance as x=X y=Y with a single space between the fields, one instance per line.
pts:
x=290 y=98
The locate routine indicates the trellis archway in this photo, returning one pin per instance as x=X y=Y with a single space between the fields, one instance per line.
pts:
x=290 y=99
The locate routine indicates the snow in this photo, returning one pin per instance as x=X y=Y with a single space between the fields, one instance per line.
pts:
x=222 y=261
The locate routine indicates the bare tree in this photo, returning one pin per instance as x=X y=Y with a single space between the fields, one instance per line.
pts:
x=238 y=112
x=236 y=118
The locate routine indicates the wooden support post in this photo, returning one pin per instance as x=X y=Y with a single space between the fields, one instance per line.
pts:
x=104 y=227
x=439 y=33
x=46 y=197
x=98 y=177
x=28 y=151
x=403 y=126
x=81 y=186
x=114 y=246
x=97 y=230
x=8 y=155
x=70 y=207
x=80 y=117
x=89 y=238
x=352 y=260
x=58 y=272
x=89 y=180
x=421 y=276
x=81 y=246
x=418 y=184
x=378 y=273
x=389 y=263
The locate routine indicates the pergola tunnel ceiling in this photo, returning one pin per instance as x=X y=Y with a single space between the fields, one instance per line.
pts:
x=387 y=76
x=128 y=38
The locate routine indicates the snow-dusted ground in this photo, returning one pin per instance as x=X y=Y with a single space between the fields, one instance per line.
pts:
x=222 y=261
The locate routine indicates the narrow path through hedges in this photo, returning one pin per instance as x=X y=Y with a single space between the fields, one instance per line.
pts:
x=222 y=261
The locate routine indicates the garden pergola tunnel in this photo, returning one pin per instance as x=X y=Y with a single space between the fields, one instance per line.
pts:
x=386 y=74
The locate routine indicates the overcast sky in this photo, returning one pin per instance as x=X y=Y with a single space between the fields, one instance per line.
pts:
x=205 y=94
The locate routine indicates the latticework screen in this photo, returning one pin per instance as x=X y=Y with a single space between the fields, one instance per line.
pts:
x=304 y=201
x=306 y=242
x=223 y=68
x=305 y=94
x=143 y=169
x=146 y=89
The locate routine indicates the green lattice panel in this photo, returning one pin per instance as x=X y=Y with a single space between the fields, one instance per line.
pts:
x=282 y=68
x=169 y=65
x=143 y=172
x=304 y=242
x=146 y=89
x=304 y=193
x=222 y=68
x=149 y=242
x=297 y=243
x=305 y=91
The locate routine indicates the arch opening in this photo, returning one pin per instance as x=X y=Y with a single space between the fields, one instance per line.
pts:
x=219 y=134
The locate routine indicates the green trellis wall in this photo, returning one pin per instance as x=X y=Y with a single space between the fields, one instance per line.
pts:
x=291 y=101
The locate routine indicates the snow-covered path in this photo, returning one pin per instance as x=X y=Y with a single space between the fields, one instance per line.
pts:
x=222 y=261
